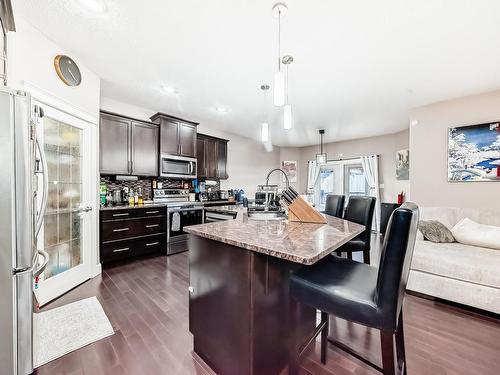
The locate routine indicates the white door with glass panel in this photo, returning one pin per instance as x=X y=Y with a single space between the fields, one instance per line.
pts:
x=66 y=233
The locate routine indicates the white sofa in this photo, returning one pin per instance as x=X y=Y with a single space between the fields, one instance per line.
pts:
x=460 y=273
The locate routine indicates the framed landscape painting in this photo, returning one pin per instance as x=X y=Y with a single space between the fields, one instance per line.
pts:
x=474 y=153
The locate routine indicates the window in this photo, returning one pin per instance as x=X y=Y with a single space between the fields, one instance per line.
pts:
x=326 y=184
x=355 y=181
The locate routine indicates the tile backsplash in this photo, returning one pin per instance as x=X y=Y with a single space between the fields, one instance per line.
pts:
x=146 y=184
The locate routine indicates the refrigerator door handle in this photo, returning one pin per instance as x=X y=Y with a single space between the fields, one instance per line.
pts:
x=42 y=267
x=43 y=206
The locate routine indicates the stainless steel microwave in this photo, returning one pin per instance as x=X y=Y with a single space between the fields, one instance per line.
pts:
x=173 y=166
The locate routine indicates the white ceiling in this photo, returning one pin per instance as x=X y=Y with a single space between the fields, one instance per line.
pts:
x=359 y=65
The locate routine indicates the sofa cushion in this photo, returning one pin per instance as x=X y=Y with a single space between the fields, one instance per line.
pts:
x=435 y=231
x=471 y=233
x=455 y=260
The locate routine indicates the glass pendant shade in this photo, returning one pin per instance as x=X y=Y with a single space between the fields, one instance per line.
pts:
x=287 y=116
x=265 y=132
x=321 y=159
x=279 y=89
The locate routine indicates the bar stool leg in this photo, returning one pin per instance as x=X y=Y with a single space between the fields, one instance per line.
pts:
x=400 y=345
x=366 y=256
x=387 y=342
x=325 y=318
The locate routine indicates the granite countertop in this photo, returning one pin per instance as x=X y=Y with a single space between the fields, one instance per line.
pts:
x=303 y=243
x=147 y=205
x=127 y=207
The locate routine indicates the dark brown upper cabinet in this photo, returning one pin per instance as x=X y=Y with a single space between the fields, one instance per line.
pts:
x=212 y=157
x=127 y=146
x=177 y=136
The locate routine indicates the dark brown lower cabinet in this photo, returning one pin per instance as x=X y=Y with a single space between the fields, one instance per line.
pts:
x=130 y=232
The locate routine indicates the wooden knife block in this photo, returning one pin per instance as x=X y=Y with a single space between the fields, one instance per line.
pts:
x=301 y=211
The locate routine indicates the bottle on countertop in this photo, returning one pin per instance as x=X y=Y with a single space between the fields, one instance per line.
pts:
x=159 y=185
x=136 y=198
x=103 y=189
x=154 y=184
x=131 y=198
x=140 y=199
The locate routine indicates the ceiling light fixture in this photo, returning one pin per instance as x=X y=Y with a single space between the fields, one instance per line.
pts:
x=279 y=10
x=264 y=128
x=321 y=157
x=96 y=6
x=287 y=109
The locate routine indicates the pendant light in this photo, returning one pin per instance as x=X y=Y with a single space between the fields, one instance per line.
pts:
x=264 y=127
x=321 y=157
x=279 y=10
x=287 y=108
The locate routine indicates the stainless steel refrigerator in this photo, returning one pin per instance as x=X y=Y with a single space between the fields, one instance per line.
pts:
x=22 y=164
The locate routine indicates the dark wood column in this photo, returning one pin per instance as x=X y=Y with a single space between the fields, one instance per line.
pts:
x=239 y=308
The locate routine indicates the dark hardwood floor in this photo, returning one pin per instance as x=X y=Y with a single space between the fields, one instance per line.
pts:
x=146 y=301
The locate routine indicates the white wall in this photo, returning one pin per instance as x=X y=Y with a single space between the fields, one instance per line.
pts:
x=31 y=67
x=248 y=161
x=385 y=146
x=429 y=147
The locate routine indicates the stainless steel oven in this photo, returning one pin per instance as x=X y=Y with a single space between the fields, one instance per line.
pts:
x=180 y=215
x=173 y=166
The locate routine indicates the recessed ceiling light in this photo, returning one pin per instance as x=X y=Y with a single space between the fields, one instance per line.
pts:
x=169 y=89
x=96 y=6
x=221 y=109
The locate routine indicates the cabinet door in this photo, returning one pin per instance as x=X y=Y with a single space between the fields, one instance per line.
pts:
x=145 y=157
x=200 y=156
x=222 y=160
x=187 y=140
x=114 y=145
x=169 y=132
x=211 y=158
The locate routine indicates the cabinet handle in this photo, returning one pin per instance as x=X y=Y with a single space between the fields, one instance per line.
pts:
x=152 y=212
x=152 y=225
x=132 y=167
x=181 y=148
x=120 y=250
x=152 y=244
x=120 y=230
x=117 y=215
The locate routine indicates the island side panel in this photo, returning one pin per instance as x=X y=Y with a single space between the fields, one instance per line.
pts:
x=272 y=309
x=240 y=308
x=219 y=305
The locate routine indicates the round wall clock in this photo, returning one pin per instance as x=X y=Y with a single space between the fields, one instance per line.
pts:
x=67 y=70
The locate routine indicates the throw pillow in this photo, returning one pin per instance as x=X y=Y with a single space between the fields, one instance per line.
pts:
x=471 y=233
x=435 y=231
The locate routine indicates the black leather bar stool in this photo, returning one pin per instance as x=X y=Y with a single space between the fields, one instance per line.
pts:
x=334 y=205
x=361 y=293
x=359 y=210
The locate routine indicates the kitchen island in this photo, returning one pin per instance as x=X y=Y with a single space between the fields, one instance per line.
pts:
x=239 y=307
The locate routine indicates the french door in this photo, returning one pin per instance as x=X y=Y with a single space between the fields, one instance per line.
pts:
x=66 y=233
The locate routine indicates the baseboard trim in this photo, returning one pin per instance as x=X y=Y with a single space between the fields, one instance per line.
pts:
x=469 y=310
